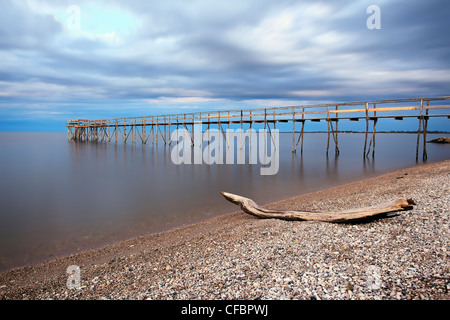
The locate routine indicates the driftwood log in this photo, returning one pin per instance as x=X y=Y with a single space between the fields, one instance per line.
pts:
x=350 y=215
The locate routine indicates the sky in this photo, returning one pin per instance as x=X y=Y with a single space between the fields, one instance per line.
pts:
x=64 y=60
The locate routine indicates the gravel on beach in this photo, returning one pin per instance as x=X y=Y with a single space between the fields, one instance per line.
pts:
x=238 y=256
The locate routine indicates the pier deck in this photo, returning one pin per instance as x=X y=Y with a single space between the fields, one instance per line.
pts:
x=422 y=109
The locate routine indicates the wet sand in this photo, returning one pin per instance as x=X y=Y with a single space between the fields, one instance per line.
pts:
x=237 y=256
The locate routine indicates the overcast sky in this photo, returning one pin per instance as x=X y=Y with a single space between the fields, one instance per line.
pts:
x=62 y=60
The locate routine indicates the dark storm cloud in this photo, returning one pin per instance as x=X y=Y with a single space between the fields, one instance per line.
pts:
x=222 y=50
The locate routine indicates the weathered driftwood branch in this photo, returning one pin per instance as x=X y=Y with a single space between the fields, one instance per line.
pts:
x=350 y=215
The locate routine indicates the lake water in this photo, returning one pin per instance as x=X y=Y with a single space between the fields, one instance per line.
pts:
x=60 y=197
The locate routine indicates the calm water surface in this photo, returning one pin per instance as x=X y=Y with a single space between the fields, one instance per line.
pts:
x=59 y=197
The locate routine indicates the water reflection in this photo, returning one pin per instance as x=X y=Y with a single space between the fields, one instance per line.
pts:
x=368 y=165
x=60 y=197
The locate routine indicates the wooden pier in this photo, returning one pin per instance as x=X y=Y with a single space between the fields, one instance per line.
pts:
x=422 y=109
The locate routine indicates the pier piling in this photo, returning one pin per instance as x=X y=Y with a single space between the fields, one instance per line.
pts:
x=397 y=109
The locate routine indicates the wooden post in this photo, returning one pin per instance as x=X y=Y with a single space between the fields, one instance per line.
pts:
x=218 y=127
x=150 y=131
x=303 y=127
x=208 y=128
x=240 y=133
x=124 y=132
x=425 y=127
x=133 y=131
x=161 y=133
x=265 y=118
x=153 y=130
x=367 y=128
x=156 y=131
x=418 y=132
x=165 y=130
x=193 y=120
x=301 y=132
x=223 y=133
x=372 y=139
x=144 y=131
x=337 y=130
x=374 y=130
x=293 y=129
x=334 y=134
x=170 y=136
x=265 y=132
x=241 y=121
x=115 y=133
x=328 y=123
x=178 y=124
x=201 y=130
x=274 y=120
x=184 y=120
x=331 y=130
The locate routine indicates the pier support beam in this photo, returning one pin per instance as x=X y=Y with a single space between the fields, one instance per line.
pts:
x=367 y=129
x=332 y=132
x=423 y=126
x=372 y=140
x=109 y=129
x=300 y=137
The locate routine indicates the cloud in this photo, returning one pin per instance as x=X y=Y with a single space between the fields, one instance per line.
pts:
x=181 y=100
x=23 y=28
x=135 y=54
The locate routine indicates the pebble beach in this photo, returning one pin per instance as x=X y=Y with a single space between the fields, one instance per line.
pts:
x=237 y=256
